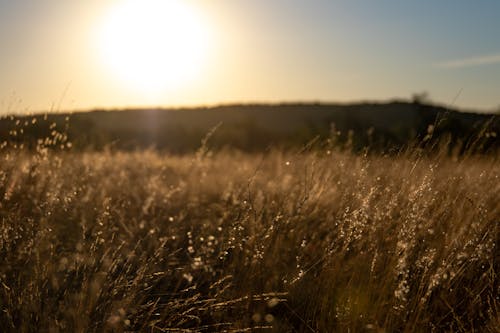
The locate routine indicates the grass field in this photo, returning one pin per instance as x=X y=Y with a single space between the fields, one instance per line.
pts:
x=317 y=241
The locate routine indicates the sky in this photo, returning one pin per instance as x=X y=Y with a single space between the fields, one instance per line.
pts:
x=77 y=55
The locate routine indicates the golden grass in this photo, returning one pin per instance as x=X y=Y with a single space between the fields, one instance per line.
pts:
x=312 y=242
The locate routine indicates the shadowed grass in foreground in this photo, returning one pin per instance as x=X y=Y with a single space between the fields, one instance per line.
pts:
x=312 y=242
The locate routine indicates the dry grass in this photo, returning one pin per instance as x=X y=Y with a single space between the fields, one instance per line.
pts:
x=311 y=242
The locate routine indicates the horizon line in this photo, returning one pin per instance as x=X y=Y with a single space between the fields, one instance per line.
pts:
x=248 y=103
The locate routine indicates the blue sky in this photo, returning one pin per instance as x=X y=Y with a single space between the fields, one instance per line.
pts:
x=263 y=51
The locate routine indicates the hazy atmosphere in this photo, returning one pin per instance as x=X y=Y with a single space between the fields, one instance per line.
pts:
x=234 y=166
x=83 y=54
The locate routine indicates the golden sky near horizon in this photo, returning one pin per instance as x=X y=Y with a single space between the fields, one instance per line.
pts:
x=65 y=55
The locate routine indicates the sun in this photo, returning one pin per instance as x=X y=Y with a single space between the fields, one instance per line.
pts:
x=153 y=45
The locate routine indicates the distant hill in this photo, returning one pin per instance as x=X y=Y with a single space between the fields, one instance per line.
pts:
x=382 y=126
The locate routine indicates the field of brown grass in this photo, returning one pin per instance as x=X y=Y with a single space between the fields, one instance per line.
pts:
x=317 y=241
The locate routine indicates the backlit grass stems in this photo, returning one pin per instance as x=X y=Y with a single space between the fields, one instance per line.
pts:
x=319 y=241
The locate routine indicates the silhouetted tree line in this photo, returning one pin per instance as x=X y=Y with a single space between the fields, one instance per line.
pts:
x=383 y=127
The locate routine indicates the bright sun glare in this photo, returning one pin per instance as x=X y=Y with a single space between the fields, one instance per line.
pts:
x=154 y=45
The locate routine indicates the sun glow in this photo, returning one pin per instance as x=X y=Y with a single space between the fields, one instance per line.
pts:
x=154 y=45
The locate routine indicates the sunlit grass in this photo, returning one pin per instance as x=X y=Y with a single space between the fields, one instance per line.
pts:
x=312 y=242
